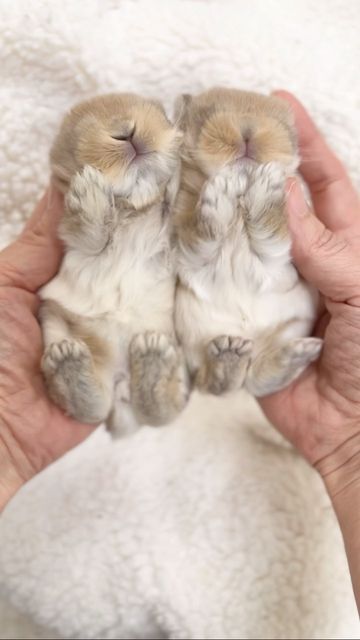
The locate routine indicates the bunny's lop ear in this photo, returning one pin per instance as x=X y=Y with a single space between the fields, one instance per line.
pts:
x=181 y=110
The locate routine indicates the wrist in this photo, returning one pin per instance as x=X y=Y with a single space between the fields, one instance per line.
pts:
x=341 y=474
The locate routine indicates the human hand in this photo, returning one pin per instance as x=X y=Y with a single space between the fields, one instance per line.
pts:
x=33 y=431
x=320 y=412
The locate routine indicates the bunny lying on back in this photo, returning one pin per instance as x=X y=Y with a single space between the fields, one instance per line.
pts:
x=242 y=310
x=117 y=159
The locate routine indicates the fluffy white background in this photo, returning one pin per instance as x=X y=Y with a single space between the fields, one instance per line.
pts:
x=214 y=527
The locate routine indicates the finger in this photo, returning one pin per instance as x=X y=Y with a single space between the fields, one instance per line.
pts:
x=47 y=213
x=324 y=258
x=335 y=200
x=14 y=297
x=35 y=256
x=321 y=325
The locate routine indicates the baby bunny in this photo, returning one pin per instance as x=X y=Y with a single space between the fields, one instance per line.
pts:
x=107 y=317
x=242 y=310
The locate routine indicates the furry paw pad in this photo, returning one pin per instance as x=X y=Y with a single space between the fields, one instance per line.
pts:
x=153 y=343
x=228 y=361
x=303 y=351
x=158 y=378
x=223 y=346
x=58 y=353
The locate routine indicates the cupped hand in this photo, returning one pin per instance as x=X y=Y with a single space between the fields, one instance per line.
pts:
x=320 y=412
x=33 y=431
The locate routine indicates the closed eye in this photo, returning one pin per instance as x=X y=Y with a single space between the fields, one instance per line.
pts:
x=124 y=136
x=121 y=137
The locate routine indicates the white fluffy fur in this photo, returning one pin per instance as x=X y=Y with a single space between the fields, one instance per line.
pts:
x=241 y=288
x=214 y=525
x=124 y=290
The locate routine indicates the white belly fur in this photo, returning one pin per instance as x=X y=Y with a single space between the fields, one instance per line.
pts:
x=127 y=289
x=225 y=300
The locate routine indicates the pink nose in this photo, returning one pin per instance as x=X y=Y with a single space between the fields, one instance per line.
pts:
x=247 y=148
x=135 y=148
x=139 y=146
x=130 y=150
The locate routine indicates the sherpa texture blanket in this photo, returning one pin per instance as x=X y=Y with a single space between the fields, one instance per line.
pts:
x=213 y=527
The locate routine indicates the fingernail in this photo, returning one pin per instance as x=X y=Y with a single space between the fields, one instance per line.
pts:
x=297 y=204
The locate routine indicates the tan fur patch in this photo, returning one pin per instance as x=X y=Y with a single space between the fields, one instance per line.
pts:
x=81 y=328
x=218 y=121
x=216 y=124
x=91 y=134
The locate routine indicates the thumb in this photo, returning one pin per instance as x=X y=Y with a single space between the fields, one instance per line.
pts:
x=34 y=257
x=324 y=258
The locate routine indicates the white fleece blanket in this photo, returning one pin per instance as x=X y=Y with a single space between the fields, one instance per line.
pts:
x=213 y=527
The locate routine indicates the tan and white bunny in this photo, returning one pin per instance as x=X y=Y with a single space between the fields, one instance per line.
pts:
x=243 y=313
x=107 y=317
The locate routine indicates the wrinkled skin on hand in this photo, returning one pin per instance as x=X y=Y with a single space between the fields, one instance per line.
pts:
x=33 y=432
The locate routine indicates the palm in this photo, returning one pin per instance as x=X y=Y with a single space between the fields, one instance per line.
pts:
x=300 y=413
x=43 y=432
x=319 y=410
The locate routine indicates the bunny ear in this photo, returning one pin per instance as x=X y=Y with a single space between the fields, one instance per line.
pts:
x=181 y=110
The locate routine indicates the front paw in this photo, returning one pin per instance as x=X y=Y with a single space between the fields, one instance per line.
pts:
x=89 y=194
x=219 y=201
x=230 y=183
x=266 y=186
